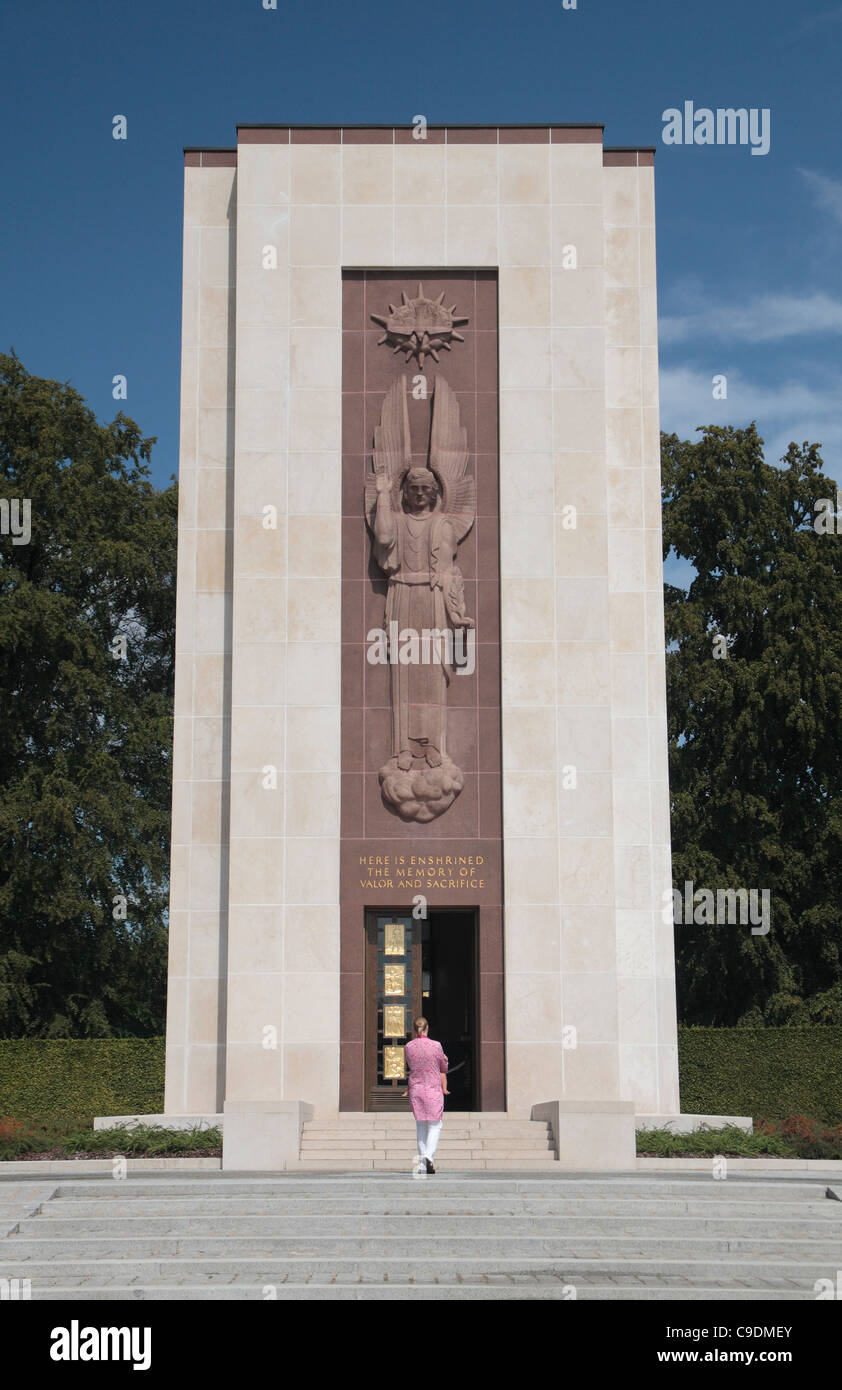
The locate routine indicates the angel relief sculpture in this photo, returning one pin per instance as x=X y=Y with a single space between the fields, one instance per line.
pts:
x=417 y=518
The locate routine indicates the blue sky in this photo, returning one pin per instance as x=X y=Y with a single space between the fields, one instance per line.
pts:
x=748 y=246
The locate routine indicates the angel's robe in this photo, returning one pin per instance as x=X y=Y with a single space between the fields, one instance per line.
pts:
x=419 y=561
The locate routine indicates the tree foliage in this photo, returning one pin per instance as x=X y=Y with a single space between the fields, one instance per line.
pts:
x=85 y=736
x=755 y=766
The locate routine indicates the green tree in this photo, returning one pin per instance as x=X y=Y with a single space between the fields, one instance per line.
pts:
x=85 y=736
x=755 y=766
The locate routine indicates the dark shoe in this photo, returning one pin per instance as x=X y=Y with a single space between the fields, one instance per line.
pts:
x=429 y=1163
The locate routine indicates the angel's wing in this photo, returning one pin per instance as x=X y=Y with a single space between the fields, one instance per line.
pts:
x=392 y=448
x=449 y=459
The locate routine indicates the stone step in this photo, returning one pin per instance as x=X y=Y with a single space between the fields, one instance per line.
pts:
x=403 y=1164
x=442 y=1291
x=493 y=1128
x=430 y=1204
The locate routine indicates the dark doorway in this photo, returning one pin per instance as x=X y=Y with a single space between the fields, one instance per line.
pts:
x=421 y=967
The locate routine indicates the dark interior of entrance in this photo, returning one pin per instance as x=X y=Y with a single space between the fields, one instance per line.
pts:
x=448 y=970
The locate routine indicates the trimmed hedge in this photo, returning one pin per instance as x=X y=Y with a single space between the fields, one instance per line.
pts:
x=76 y=1077
x=771 y=1072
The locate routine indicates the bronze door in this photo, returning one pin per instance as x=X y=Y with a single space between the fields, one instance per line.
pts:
x=393 y=1000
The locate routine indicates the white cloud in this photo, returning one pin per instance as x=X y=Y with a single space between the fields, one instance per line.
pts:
x=790 y=410
x=766 y=318
x=827 y=192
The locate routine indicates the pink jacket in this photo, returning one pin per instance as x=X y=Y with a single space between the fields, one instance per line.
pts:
x=426 y=1062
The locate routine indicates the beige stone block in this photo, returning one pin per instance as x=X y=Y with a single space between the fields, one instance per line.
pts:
x=580 y=482
x=653 y=565
x=592 y=1072
x=314 y=236
x=177 y=1008
x=622 y=251
x=368 y=173
x=578 y=227
x=205 y=947
x=576 y=173
x=187 y=486
x=472 y=235
x=524 y=297
x=654 y=620
x=577 y=298
x=252 y=1070
x=315 y=297
x=620 y=196
x=585 y=870
x=257 y=738
x=652 y=512
x=313 y=739
x=629 y=684
x=182 y=813
x=315 y=172
x=315 y=547
x=668 y=1097
x=664 y=944
x=311 y=938
x=578 y=421
x=257 y=872
x=665 y=1009
x=623 y=378
x=215 y=442
x=622 y=316
x=209 y=751
x=206 y=868
x=262 y=228
x=215 y=376
x=578 y=358
x=583 y=549
x=526 y=609
x=182 y=748
x=210 y=622
x=311 y=1007
x=368 y=236
x=210 y=561
x=526 y=547
x=524 y=235
x=263 y=174
x=177 y=942
x=314 y=607
x=256 y=940
x=526 y=421
x=584 y=738
x=529 y=803
x=311 y=1073
x=631 y=800
x=189 y=376
x=179 y=877
x=586 y=808
x=528 y=673
x=263 y=287
x=203 y=1091
x=590 y=1005
x=648 y=317
x=533 y=1008
x=529 y=739
x=257 y=809
x=313 y=673
x=635 y=949
x=531 y=869
x=315 y=420
x=262 y=421
x=524 y=173
x=626 y=562
x=659 y=812
x=312 y=872
x=623 y=438
x=534 y=1072
x=211 y=498
x=627 y=622
x=218 y=250
x=651 y=444
x=632 y=870
x=263 y=358
x=208 y=196
x=191 y=242
x=210 y=812
x=649 y=376
x=203 y=995
x=259 y=610
x=254 y=1005
x=526 y=485
x=421 y=234
x=259 y=550
x=648 y=268
x=625 y=498
x=471 y=174
x=658 y=749
x=525 y=359
x=258 y=670
x=583 y=673
x=188 y=436
x=420 y=173
x=581 y=610
x=532 y=941
x=260 y=484
x=587 y=940
x=314 y=484
x=312 y=803
x=639 y=1076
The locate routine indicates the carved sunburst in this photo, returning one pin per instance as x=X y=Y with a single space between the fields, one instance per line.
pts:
x=420 y=327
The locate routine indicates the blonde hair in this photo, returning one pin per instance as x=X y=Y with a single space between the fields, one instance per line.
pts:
x=420 y=1025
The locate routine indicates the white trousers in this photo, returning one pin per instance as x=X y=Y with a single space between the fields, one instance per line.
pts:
x=428 y=1136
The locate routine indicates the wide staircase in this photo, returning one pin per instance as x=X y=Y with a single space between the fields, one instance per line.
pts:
x=365 y=1142
x=392 y=1236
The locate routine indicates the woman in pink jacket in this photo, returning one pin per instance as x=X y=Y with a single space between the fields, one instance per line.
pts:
x=427 y=1089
